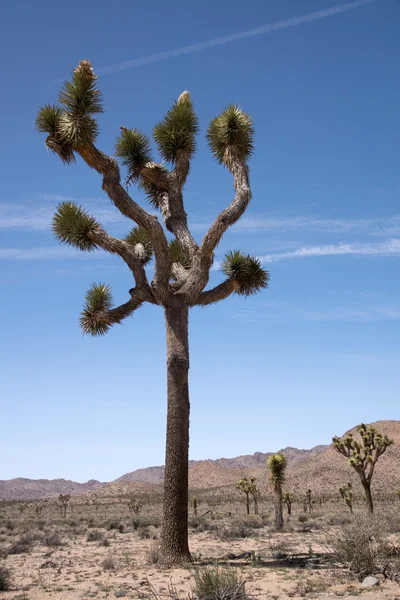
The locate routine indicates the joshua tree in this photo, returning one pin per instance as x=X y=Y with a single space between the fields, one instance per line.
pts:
x=38 y=509
x=255 y=494
x=195 y=504
x=247 y=486
x=364 y=455
x=182 y=266
x=277 y=464
x=134 y=505
x=63 y=501
x=288 y=498
x=346 y=492
x=307 y=505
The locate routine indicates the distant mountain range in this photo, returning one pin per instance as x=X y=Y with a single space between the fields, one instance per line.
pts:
x=319 y=468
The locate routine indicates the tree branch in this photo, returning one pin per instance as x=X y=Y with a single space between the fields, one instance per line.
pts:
x=220 y=292
x=118 y=314
x=125 y=251
x=231 y=214
x=108 y=167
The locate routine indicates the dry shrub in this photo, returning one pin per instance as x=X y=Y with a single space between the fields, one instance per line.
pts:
x=362 y=545
x=53 y=539
x=5 y=579
x=95 y=536
x=21 y=546
x=153 y=553
x=216 y=583
x=236 y=529
x=109 y=564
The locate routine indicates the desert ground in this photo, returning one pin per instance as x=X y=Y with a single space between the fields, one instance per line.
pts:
x=104 y=549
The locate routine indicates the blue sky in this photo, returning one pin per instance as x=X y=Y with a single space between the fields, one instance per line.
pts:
x=310 y=357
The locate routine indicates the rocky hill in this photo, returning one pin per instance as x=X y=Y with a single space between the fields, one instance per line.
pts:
x=320 y=468
x=35 y=489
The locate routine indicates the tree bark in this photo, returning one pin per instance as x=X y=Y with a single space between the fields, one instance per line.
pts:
x=247 y=503
x=278 y=508
x=368 y=496
x=174 y=546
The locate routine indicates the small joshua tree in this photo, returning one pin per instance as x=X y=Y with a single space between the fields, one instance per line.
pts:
x=277 y=464
x=363 y=455
x=182 y=266
x=38 y=509
x=288 y=498
x=307 y=505
x=63 y=501
x=346 y=492
x=246 y=485
x=255 y=494
x=195 y=504
x=134 y=505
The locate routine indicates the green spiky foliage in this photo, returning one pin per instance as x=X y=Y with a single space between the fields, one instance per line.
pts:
x=48 y=121
x=73 y=225
x=363 y=454
x=246 y=271
x=346 y=492
x=178 y=255
x=230 y=135
x=277 y=464
x=139 y=235
x=72 y=125
x=81 y=99
x=133 y=148
x=176 y=133
x=98 y=299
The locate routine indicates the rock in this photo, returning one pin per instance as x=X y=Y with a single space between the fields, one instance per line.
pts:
x=370 y=582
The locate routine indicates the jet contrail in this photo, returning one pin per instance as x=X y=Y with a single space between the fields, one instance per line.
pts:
x=227 y=39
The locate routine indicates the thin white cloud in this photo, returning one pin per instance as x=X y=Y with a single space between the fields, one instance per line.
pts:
x=379 y=226
x=38 y=216
x=52 y=252
x=228 y=39
x=388 y=248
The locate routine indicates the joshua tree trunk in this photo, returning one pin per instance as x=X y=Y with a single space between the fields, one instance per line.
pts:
x=248 y=503
x=278 y=508
x=368 y=496
x=175 y=523
x=255 y=500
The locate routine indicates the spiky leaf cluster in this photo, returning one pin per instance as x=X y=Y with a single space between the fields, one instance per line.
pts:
x=178 y=255
x=176 y=133
x=98 y=300
x=138 y=236
x=277 y=464
x=247 y=485
x=230 y=135
x=73 y=226
x=73 y=125
x=133 y=148
x=246 y=271
x=48 y=121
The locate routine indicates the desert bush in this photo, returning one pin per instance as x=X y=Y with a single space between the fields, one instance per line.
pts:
x=339 y=519
x=362 y=545
x=21 y=546
x=144 y=533
x=309 y=585
x=303 y=518
x=53 y=539
x=200 y=524
x=108 y=563
x=149 y=521
x=5 y=579
x=115 y=524
x=105 y=542
x=393 y=522
x=153 y=553
x=94 y=536
x=216 y=583
x=236 y=529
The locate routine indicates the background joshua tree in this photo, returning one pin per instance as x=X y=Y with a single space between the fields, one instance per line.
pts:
x=255 y=494
x=181 y=265
x=346 y=492
x=364 y=455
x=247 y=486
x=277 y=464
x=288 y=498
x=307 y=504
x=134 y=505
x=63 y=501
x=195 y=505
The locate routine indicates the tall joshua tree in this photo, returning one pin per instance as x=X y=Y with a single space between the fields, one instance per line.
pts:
x=277 y=464
x=249 y=488
x=182 y=266
x=364 y=455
